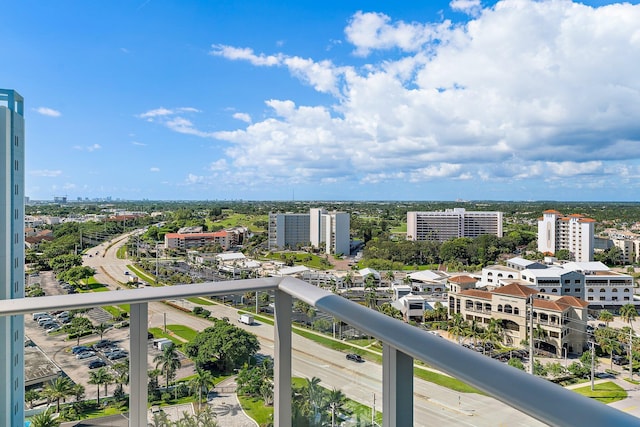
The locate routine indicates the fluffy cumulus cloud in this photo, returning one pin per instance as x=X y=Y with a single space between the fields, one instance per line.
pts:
x=544 y=90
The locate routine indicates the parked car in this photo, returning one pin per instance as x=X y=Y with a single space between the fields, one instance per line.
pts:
x=98 y=363
x=79 y=349
x=102 y=344
x=118 y=354
x=355 y=357
x=620 y=360
x=85 y=354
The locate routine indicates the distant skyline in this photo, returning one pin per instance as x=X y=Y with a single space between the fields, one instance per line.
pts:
x=375 y=100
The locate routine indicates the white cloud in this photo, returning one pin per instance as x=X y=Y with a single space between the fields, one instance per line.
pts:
x=471 y=7
x=218 y=165
x=45 y=111
x=46 y=173
x=88 y=148
x=141 y=144
x=154 y=169
x=174 y=120
x=523 y=90
x=243 y=117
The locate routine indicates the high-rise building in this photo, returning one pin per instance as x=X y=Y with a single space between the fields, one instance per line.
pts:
x=452 y=223
x=318 y=228
x=573 y=233
x=12 y=256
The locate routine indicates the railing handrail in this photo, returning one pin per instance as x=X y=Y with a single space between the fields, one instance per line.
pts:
x=541 y=399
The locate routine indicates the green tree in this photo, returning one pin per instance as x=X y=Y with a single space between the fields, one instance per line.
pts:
x=78 y=326
x=101 y=329
x=516 y=363
x=58 y=389
x=223 y=347
x=77 y=274
x=494 y=332
x=44 y=419
x=606 y=317
x=628 y=313
x=336 y=403
x=31 y=395
x=169 y=362
x=100 y=377
x=203 y=380
x=457 y=326
x=64 y=262
x=371 y=291
x=539 y=335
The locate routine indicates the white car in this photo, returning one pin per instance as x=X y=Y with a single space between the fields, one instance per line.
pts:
x=85 y=355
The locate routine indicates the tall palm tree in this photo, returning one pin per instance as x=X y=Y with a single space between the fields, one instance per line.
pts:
x=202 y=380
x=58 y=389
x=370 y=291
x=494 y=332
x=99 y=377
x=122 y=375
x=335 y=402
x=313 y=393
x=474 y=331
x=606 y=317
x=30 y=396
x=628 y=313
x=169 y=362
x=389 y=277
x=457 y=326
x=101 y=329
x=539 y=335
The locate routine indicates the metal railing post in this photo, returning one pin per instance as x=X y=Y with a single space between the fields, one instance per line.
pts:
x=397 y=388
x=138 y=365
x=282 y=360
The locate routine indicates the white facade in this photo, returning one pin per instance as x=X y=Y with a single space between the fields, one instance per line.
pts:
x=316 y=228
x=12 y=255
x=452 y=223
x=573 y=233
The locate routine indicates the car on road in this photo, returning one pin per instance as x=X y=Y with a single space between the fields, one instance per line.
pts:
x=85 y=354
x=355 y=357
x=98 y=363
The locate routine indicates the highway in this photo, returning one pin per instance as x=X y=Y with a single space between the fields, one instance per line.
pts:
x=433 y=404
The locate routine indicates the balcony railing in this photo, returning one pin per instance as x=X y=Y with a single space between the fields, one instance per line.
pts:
x=402 y=343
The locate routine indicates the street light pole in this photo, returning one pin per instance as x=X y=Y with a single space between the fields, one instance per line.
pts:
x=530 y=301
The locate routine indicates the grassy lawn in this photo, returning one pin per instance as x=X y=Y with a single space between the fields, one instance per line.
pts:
x=115 y=311
x=183 y=331
x=255 y=409
x=236 y=219
x=200 y=301
x=96 y=287
x=444 y=380
x=159 y=333
x=122 y=252
x=605 y=392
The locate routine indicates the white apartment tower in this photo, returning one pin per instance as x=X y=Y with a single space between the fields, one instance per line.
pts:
x=452 y=223
x=317 y=228
x=12 y=256
x=573 y=233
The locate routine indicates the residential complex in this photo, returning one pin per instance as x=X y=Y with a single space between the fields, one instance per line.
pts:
x=573 y=233
x=318 y=228
x=592 y=282
x=452 y=223
x=12 y=256
x=563 y=318
x=227 y=239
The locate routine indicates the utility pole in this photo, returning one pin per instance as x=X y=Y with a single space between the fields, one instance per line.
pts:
x=630 y=352
x=593 y=358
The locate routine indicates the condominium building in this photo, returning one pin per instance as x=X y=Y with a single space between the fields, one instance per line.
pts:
x=573 y=233
x=12 y=255
x=452 y=223
x=318 y=228
x=563 y=318
x=288 y=230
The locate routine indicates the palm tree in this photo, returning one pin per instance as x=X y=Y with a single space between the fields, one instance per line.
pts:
x=122 y=376
x=494 y=333
x=474 y=331
x=606 y=317
x=101 y=329
x=348 y=280
x=389 y=277
x=58 y=389
x=539 y=335
x=169 y=362
x=44 y=419
x=370 y=290
x=313 y=393
x=628 y=313
x=202 y=380
x=30 y=396
x=457 y=326
x=335 y=402
x=99 y=377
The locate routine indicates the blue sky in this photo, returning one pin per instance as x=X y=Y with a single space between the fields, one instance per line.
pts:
x=334 y=100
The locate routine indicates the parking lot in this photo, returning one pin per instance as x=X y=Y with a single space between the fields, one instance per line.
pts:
x=59 y=349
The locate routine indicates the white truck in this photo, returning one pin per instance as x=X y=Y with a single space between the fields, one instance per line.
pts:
x=247 y=319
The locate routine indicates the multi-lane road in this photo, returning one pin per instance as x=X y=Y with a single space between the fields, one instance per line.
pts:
x=433 y=404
